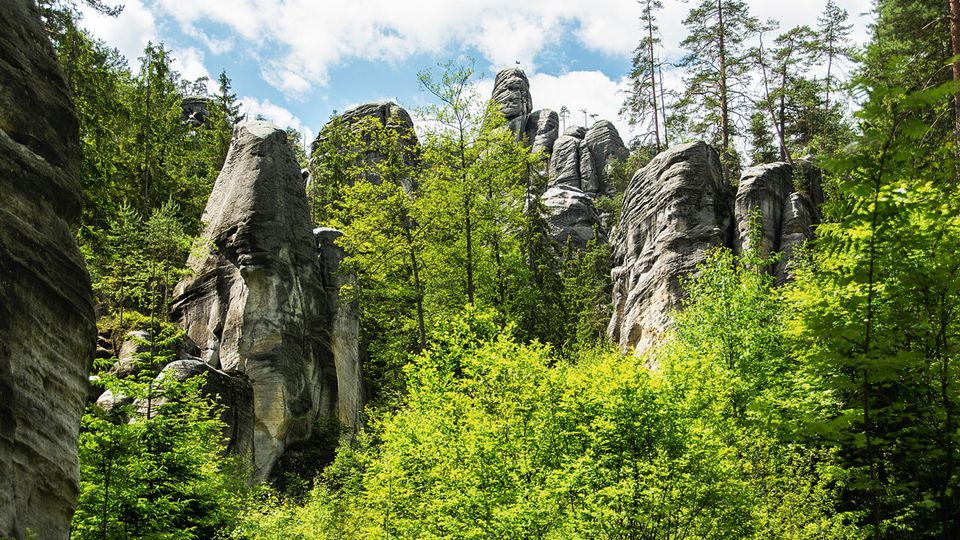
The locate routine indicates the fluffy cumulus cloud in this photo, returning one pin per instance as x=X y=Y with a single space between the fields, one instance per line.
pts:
x=189 y=62
x=312 y=36
x=129 y=32
x=281 y=116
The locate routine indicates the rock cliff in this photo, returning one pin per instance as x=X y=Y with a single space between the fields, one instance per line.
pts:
x=47 y=334
x=256 y=304
x=575 y=161
x=677 y=208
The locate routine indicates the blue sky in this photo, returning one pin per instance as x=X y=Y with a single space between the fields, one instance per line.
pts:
x=298 y=61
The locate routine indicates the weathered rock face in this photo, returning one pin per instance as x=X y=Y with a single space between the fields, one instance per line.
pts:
x=572 y=217
x=511 y=89
x=391 y=116
x=257 y=304
x=541 y=130
x=346 y=331
x=797 y=225
x=581 y=155
x=765 y=188
x=674 y=210
x=605 y=145
x=787 y=217
x=194 y=110
x=47 y=334
x=564 y=168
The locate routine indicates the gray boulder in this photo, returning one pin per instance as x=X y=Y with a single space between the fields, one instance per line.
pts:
x=233 y=392
x=256 y=303
x=511 y=90
x=572 y=216
x=47 y=332
x=346 y=331
x=674 y=210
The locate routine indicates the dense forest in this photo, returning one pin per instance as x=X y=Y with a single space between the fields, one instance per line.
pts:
x=823 y=407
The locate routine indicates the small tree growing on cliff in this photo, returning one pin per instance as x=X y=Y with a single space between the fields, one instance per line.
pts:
x=155 y=468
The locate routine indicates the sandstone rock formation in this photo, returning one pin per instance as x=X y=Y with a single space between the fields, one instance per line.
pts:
x=674 y=210
x=605 y=145
x=47 y=334
x=799 y=218
x=257 y=304
x=765 y=188
x=511 y=90
x=572 y=217
x=581 y=156
x=194 y=110
x=346 y=331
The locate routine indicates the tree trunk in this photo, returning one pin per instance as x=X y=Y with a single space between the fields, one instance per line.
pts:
x=663 y=109
x=653 y=77
x=955 y=51
x=724 y=106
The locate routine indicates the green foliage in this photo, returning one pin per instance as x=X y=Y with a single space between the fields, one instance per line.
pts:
x=874 y=323
x=155 y=468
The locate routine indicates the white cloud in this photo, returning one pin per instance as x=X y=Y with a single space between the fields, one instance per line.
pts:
x=281 y=116
x=581 y=90
x=129 y=32
x=189 y=62
x=314 y=36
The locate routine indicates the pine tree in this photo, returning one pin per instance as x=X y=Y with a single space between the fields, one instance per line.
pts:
x=833 y=40
x=641 y=104
x=718 y=65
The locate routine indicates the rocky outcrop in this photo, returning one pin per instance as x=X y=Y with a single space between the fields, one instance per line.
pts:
x=786 y=218
x=346 y=331
x=675 y=209
x=572 y=217
x=511 y=90
x=763 y=190
x=194 y=110
x=389 y=115
x=256 y=304
x=581 y=156
x=605 y=145
x=47 y=334
x=541 y=129
x=799 y=218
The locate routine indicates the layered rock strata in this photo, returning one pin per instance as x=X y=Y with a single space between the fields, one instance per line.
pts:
x=345 y=337
x=674 y=210
x=677 y=208
x=47 y=333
